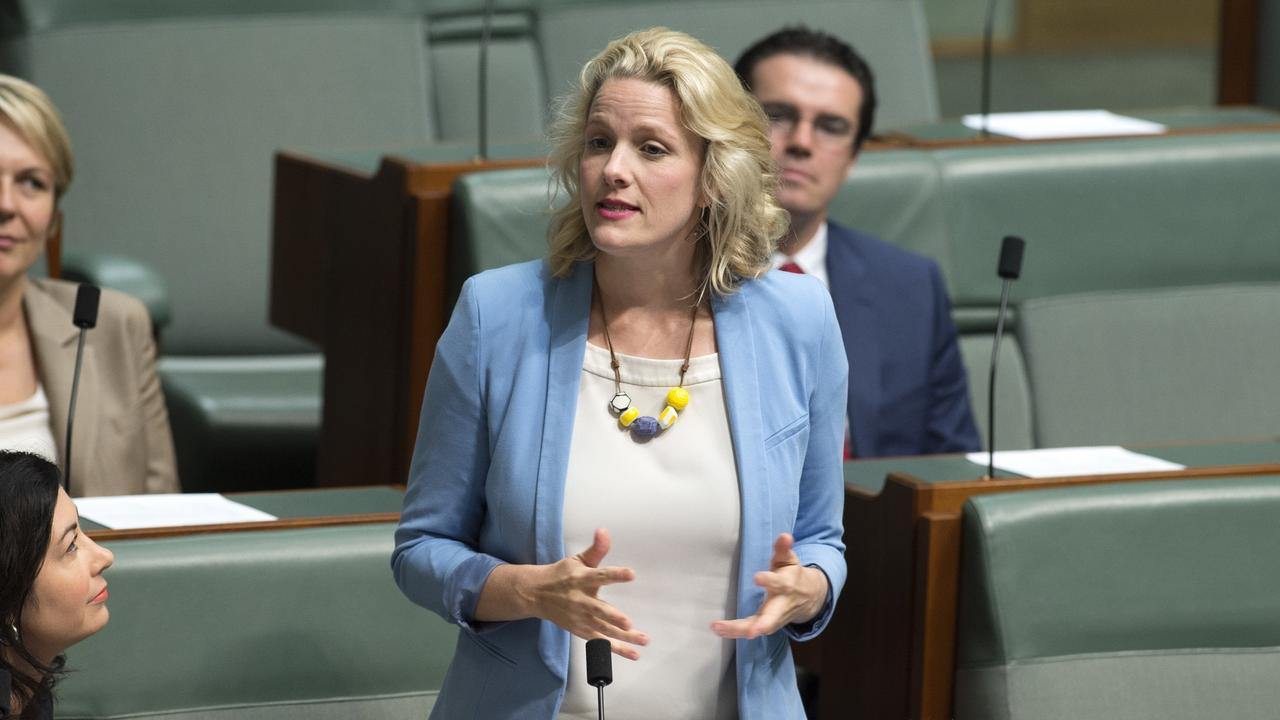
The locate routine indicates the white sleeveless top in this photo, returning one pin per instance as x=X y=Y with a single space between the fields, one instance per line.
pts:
x=25 y=426
x=672 y=509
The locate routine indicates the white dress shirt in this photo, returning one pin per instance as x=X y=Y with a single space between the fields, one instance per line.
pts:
x=812 y=258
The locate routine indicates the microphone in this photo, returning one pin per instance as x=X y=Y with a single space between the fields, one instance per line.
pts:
x=1009 y=267
x=599 y=669
x=987 y=32
x=85 y=317
x=483 y=120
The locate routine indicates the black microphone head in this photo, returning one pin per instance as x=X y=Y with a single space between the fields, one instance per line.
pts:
x=1010 y=266
x=599 y=662
x=86 y=313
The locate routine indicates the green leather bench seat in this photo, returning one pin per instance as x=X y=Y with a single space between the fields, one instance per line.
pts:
x=1154 y=366
x=244 y=423
x=1140 y=601
x=1113 y=214
x=258 y=625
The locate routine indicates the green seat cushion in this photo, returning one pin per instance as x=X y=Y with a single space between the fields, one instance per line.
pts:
x=289 y=623
x=1154 y=366
x=1156 y=599
x=244 y=423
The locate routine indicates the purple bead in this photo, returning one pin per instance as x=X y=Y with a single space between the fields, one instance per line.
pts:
x=644 y=426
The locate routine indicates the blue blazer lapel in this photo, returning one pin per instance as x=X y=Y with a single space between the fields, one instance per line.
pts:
x=855 y=312
x=742 y=389
x=570 y=310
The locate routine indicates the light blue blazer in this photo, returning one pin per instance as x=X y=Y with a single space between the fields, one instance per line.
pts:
x=486 y=485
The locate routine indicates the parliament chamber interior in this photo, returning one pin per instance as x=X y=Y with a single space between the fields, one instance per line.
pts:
x=296 y=190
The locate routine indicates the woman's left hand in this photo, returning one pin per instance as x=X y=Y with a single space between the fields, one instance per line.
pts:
x=793 y=594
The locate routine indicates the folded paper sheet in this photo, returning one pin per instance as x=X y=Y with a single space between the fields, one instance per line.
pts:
x=1074 y=461
x=129 y=512
x=1063 y=124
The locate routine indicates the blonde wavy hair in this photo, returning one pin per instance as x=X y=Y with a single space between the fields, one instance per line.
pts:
x=742 y=221
x=25 y=108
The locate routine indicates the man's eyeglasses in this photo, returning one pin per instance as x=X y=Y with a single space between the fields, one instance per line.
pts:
x=827 y=129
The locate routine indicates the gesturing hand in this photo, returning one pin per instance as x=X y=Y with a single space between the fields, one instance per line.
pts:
x=793 y=593
x=566 y=593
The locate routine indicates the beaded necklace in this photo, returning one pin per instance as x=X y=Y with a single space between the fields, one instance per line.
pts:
x=643 y=427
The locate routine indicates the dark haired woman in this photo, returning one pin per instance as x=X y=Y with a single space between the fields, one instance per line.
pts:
x=52 y=593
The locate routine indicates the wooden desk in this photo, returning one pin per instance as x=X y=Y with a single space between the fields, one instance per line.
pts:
x=359 y=267
x=889 y=651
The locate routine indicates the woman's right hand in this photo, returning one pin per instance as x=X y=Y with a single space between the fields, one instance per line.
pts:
x=567 y=594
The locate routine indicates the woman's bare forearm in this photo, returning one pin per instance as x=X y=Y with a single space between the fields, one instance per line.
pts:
x=506 y=595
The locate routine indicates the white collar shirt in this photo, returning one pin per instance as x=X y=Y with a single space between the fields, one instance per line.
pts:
x=812 y=258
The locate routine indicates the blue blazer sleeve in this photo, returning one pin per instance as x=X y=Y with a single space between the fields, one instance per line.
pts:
x=435 y=561
x=819 y=526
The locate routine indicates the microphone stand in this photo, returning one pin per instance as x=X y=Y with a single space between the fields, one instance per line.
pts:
x=71 y=412
x=1008 y=267
x=987 y=32
x=991 y=382
x=85 y=317
x=485 y=30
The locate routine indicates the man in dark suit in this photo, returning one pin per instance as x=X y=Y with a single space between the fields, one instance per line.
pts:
x=908 y=393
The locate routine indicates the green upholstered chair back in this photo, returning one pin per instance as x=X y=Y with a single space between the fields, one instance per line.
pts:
x=1142 y=601
x=498 y=218
x=259 y=625
x=175 y=111
x=890 y=34
x=517 y=94
x=1154 y=366
x=1113 y=214
x=1015 y=422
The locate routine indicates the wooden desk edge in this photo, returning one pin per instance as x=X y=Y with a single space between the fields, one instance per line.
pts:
x=265 y=525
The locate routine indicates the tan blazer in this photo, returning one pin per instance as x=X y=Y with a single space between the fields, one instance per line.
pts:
x=122 y=443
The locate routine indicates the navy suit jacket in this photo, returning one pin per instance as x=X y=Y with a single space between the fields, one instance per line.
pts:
x=908 y=390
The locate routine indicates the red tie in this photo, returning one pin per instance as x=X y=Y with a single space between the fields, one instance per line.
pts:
x=791 y=267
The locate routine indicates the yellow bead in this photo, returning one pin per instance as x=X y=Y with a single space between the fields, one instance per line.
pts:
x=628 y=416
x=678 y=398
x=667 y=417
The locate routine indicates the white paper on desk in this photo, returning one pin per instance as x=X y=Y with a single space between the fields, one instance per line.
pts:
x=129 y=512
x=1073 y=461
x=1063 y=124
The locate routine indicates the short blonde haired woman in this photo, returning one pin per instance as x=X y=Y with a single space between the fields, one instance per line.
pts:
x=122 y=425
x=648 y=395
